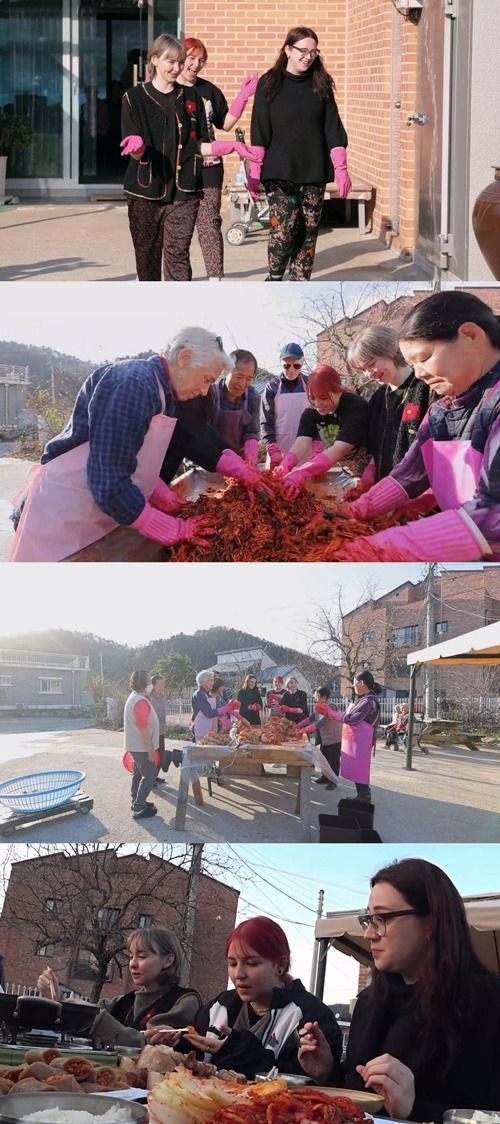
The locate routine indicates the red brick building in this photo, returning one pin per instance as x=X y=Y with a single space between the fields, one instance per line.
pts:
x=391 y=626
x=59 y=907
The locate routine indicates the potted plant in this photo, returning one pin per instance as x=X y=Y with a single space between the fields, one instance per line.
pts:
x=15 y=132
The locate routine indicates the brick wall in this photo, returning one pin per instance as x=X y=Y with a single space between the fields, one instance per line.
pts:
x=466 y=599
x=33 y=881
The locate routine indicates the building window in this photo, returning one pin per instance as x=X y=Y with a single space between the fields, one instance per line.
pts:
x=45 y=950
x=107 y=917
x=406 y=636
x=5 y=680
x=53 y=905
x=368 y=665
x=85 y=966
x=441 y=626
x=368 y=637
x=50 y=687
x=144 y=921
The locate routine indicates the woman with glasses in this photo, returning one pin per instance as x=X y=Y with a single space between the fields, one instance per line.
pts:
x=296 y=120
x=337 y=418
x=283 y=402
x=267 y=1018
x=359 y=732
x=251 y=701
x=426 y=1032
x=209 y=221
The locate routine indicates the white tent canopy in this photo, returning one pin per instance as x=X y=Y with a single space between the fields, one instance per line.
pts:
x=343 y=931
x=481 y=646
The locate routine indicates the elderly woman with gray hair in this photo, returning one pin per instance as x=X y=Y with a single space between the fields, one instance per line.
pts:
x=103 y=470
x=155 y=966
x=207 y=709
x=398 y=405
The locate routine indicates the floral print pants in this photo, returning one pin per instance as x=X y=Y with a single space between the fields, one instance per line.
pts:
x=208 y=229
x=163 y=231
x=295 y=213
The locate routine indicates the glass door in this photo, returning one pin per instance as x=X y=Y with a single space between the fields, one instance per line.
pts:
x=113 y=44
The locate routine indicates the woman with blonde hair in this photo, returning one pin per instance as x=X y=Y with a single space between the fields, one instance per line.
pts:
x=397 y=406
x=155 y=965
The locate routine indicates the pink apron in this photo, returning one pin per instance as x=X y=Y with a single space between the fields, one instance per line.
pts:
x=356 y=751
x=288 y=410
x=203 y=725
x=229 y=424
x=60 y=516
x=453 y=468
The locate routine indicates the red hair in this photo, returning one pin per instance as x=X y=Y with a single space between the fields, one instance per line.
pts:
x=194 y=45
x=324 y=380
x=261 y=935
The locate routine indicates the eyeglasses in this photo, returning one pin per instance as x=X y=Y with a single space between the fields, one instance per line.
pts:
x=378 y=921
x=296 y=366
x=303 y=52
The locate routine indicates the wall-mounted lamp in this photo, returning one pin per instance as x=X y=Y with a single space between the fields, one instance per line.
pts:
x=411 y=9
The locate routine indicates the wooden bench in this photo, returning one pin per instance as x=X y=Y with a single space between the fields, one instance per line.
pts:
x=446 y=731
x=361 y=193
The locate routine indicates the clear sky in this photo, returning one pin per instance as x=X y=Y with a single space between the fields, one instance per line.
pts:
x=121 y=320
x=277 y=602
x=283 y=882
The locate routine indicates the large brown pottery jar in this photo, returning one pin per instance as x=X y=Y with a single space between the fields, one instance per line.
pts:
x=486 y=224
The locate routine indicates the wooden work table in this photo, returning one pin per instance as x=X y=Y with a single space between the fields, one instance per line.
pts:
x=265 y=755
x=439 y=731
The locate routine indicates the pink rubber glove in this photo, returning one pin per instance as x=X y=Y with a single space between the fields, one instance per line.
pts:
x=164 y=499
x=233 y=704
x=317 y=448
x=230 y=464
x=312 y=470
x=132 y=146
x=273 y=699
x=254 y=706
x=384 y=496
x=450 y=536
x=323 y=708
x=290 y=710
x=255 y=169
x=422 y=505
x=251 y=450
x=248 y=88
x=307 y=729
x=338 y=157
x=289 y=461
x=275 y=454
x=224 y=721
x=368 y=477
x=303 y=724
x=223 y=148
x=163 y=528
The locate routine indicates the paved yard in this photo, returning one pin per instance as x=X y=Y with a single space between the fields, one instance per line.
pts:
x=451 y=796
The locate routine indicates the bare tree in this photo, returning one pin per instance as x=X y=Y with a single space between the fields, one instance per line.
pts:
x=86 y=897
x=350 y=639
x=335 y=316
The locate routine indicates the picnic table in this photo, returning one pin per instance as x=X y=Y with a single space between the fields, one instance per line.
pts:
x=438 y=731
x=199 y=757
x=126 y=545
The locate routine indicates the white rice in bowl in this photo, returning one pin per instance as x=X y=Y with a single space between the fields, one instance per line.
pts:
x=80 y=1116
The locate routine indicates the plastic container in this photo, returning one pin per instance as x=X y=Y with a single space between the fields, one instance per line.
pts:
x=361 y=811
x=37 y=792
x=338 y=829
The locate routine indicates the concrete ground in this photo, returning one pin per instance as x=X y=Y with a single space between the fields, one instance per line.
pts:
x=451 y=796
x=68 y=241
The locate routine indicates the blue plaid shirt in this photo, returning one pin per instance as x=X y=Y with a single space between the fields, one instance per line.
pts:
x=113 y=412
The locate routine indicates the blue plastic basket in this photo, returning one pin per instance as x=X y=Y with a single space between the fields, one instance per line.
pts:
x=38 y=792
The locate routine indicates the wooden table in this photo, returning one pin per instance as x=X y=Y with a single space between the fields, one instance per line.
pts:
x=445 y=730
x=126 y=545
x=266 y=755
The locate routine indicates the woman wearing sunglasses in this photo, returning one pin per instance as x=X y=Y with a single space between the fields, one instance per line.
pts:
x=426 y=1032
x=283 y=403
x=296 y=120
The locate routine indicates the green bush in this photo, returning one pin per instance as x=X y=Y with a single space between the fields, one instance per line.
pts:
x=178 y=732
x=15 y=131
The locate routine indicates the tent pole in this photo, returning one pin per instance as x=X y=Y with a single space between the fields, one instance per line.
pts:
x=324 y=945
x=411 y=712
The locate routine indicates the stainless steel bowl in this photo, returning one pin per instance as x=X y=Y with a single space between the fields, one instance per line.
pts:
x=16 y=1105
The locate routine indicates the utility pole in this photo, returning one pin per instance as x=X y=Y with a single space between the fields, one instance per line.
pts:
x=314 y=965
x=429 y=640
x=191 y=900
x=102 y=676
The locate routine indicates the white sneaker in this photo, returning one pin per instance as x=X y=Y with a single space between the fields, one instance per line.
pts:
x=215 y=278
